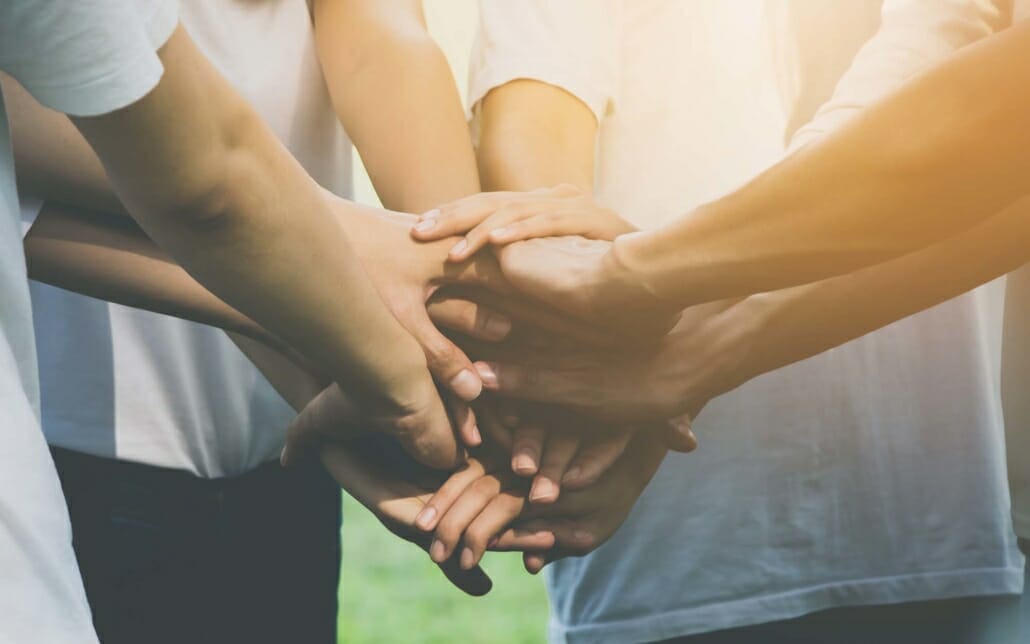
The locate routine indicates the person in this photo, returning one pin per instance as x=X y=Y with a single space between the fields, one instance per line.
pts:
x=204 y=176
x=144 y=411
x=812 y=215
x=856 y=459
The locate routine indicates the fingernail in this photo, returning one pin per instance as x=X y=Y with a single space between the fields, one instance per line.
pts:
x=466 y=385
x=543 y=490
x=487 y=374
x=523 y=463
x=437 y=552
x=497 y=327
x=475 y=436
x=581 y=536
x=425 y=225
x=500 y=234
x=282 y=457
x=468 y=559
x=458 y=249
x=430 y=214
x=424 y=520
x=572 y=475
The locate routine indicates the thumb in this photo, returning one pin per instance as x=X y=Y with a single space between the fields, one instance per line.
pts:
x=448 y=363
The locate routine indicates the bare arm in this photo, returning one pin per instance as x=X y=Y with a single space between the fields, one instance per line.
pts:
x=535 y=135
x=393 y=91
x=110 y=258
x=947 y=151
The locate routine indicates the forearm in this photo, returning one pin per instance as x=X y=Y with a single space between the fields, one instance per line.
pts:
x=110 y=258
x=246 y=221
x=942 y=154
x=394 y=92
x=800 y=322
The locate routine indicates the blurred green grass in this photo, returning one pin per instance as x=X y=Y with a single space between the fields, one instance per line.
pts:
x=392 y=592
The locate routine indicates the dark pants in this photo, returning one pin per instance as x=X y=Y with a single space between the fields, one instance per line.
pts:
x=169 y=557
x=970 y=620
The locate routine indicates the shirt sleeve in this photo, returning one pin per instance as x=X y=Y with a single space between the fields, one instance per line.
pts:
x=85 y=58
x=913 y=35
x=571 y=44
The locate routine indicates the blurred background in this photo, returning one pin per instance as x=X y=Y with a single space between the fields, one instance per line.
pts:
x=391 y=591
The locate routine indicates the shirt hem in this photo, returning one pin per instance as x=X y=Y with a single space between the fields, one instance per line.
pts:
x=795 y=603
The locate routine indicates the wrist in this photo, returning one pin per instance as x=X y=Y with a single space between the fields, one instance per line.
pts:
x=627 y=272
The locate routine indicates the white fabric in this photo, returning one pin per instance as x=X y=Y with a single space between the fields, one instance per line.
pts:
x=1016 y=382
x=873 y=473
x=71 y=56
x=121 y=382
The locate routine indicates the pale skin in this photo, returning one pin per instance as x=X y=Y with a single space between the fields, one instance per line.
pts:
x=947 y=151
x=111 y=258
x=715 y=348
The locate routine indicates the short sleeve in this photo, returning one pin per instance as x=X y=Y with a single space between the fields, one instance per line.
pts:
x=30 y=209
x=85 y=58
x=913 y=35
x=571 y=44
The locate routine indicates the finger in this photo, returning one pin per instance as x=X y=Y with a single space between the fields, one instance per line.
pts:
x=492 y=427
x=444 y=498
x=515 y=538
x=479 y=236
x=474 y=582
x=527 y=382
x=527 y=313
x=679 y=434
x=594 y=459
x=462 y=512
x=436 y=224
x=469 y=318
x=458 y=217
x=498 y=513
x=526 y=448
x=559 y=451
x=329 y=413
x=542 y=224
x=574 y=537
x=464 y=420
x=446 y=361
x=534 y=562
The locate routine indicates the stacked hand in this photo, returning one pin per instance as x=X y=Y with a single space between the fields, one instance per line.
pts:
x=564 y=255
x=569 y=434
x=407 y=276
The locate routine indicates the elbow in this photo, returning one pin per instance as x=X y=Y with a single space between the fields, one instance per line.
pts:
x=213 y=194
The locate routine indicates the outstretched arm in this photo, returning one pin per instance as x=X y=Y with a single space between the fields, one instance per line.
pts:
x=947 y=151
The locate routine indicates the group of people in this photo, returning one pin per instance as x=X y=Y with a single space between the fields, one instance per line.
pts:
x=697 y=307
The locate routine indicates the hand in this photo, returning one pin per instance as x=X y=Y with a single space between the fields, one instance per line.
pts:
x=575 y=524
x=582 y=521
x=406 y=274
x=695 y=362
x=553 y=447
x=584 y=278
x=395 y=489
x=500 y=218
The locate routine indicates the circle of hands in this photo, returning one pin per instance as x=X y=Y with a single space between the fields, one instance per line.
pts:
x=551 y=404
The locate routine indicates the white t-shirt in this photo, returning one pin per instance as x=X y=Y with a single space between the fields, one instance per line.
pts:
x=83 y=58
x=125 y=383
x=873 y=473
x=1015 y=377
